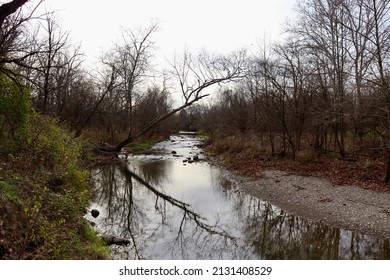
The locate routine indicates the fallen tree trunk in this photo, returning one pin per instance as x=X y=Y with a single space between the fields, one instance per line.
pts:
x=114 y=240
x=194 y=77
x=148 y=127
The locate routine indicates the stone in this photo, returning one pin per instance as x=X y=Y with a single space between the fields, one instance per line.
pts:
x=95 y=213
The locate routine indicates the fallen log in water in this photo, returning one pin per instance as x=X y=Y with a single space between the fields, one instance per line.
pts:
x=114 y=240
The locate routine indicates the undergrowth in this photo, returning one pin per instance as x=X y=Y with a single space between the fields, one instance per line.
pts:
x=44 y=187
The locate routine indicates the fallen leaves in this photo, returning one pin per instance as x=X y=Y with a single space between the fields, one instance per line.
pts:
x=364 y=173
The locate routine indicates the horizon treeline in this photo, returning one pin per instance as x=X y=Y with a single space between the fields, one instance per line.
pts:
x=325 y=87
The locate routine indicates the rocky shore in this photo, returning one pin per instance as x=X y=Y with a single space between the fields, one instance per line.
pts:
x=316 y=199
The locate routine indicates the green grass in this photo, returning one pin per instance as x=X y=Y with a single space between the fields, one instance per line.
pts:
x=141 y=147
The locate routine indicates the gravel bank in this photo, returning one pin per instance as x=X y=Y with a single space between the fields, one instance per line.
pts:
x=348 y=207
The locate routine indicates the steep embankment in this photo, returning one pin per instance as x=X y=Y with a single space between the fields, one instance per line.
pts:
x=44 y=192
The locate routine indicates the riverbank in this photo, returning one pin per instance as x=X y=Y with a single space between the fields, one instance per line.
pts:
x=45 y=189
x=348 y=195
x=317 y=199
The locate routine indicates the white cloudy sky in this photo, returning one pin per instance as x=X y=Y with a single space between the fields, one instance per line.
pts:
x=216 y=25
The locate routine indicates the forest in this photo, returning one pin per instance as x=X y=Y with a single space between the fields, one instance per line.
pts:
x=320 y=97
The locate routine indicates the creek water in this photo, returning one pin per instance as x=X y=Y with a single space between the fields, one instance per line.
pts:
x=174 y=207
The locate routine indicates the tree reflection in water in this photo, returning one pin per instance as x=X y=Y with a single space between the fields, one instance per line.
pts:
x=129 y=213
x=275 y=234
x=140 y=202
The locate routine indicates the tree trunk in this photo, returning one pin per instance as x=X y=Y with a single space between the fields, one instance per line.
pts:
x=8 y=9
x=387 y=176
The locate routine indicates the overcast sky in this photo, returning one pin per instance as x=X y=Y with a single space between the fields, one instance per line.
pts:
x=215 y=25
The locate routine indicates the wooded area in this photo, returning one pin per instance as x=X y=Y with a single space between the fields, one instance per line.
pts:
x=324 y=88
x=322 y=91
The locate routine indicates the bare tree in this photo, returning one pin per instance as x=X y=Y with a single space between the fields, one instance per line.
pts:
x=359 y=27
x=14 y=36
x=194 y=76
x=369 y=28
x=131 y=58
x=54 y=66
x=322 y=30
x=380 y=10
x=259 y=87
x=104 y=88
x=291 y=92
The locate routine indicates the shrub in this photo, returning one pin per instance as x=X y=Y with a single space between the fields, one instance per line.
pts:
x=15 y=109
x=44 y=189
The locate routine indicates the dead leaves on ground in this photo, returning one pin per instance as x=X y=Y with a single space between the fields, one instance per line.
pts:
x=365 y=173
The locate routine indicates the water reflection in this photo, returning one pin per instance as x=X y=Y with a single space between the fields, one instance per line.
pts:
x=174 y=210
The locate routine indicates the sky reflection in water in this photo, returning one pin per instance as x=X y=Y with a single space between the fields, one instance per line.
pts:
x=172 y=209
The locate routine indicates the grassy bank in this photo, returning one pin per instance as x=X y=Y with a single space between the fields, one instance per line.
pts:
x=44 y=187
x=246 y=155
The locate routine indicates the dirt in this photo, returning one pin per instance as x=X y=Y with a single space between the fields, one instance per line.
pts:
x=344 y=206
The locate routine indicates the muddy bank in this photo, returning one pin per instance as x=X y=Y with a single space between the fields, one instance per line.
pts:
x=348 y=207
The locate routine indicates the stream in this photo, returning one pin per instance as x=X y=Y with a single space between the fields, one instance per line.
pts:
x=174 y=203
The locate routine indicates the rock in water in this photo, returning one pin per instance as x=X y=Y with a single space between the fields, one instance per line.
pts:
x=95 y=213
